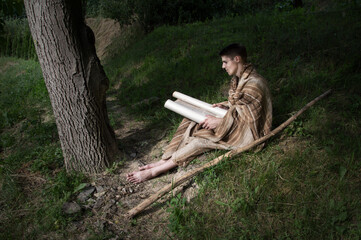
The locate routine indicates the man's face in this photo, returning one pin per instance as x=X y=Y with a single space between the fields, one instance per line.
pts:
x=230 y=65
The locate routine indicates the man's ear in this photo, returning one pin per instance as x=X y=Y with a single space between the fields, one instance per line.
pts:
x=237 y=59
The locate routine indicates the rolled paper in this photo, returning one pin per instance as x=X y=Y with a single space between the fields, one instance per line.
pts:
x=218 y=112
x=184 y=111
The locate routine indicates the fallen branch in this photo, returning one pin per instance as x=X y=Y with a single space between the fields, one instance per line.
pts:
x=136 y=210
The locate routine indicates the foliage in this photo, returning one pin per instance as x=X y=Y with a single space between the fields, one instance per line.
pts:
x=176 y=209
x=12 y=8
x=17 y=39
x=152 y=13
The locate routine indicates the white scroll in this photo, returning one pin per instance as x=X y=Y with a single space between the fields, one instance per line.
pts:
x=193 y=108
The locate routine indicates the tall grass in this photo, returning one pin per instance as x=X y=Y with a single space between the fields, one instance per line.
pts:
x=16 y=40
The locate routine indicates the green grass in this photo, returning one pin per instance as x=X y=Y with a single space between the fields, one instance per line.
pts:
x=33 y=182
x=307 y=189
x=303 y=185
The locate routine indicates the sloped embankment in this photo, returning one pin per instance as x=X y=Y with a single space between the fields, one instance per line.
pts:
x=105 y=31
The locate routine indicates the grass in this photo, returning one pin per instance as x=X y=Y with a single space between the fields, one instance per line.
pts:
x=304 y=185
x=33 y=182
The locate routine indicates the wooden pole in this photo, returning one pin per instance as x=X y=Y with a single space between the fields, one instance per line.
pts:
x=136 y=210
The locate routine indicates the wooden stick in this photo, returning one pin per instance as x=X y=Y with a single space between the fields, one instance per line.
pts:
x=136 y=210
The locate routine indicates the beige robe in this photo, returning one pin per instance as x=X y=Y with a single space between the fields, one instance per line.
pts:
x=248 y=118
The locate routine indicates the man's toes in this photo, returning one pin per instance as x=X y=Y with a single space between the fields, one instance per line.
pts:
x=134 y=180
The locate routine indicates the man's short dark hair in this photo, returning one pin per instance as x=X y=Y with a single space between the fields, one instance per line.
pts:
x=233 y=50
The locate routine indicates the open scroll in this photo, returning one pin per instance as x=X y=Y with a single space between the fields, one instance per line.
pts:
x=193 y=108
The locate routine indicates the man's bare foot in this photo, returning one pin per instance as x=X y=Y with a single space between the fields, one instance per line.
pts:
x=140 y=176
x=143 y=175
x=152 y=165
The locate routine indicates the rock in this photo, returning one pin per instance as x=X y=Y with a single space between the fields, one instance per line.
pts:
x=133 y=155
x=99 y=194
x=71 y=208
x=85 y=194
x=99 y=189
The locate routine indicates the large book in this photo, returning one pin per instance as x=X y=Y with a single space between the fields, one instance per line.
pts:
x=193 y=108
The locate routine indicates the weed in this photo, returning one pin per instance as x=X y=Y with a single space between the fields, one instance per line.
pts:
x=176 y=209
x=114 y=166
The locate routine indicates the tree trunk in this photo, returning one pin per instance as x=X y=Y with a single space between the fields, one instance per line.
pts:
x=76 y=83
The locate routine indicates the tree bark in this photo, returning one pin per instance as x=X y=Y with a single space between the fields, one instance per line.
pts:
x=76 y=83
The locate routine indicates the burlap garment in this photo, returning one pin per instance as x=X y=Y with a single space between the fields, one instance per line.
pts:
x=249 y=117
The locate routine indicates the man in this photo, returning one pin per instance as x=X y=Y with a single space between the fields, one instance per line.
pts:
x=248 y=118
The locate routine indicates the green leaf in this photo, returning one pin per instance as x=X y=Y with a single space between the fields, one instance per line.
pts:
x=80 y=187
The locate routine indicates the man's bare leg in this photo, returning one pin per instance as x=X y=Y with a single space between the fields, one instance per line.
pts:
x=152 y=165
x=144 y=175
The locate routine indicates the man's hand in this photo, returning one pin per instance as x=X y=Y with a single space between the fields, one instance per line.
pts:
x=220 y=106
x=211 y=122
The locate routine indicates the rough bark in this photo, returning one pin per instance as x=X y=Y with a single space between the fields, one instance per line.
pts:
x=76 y=83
